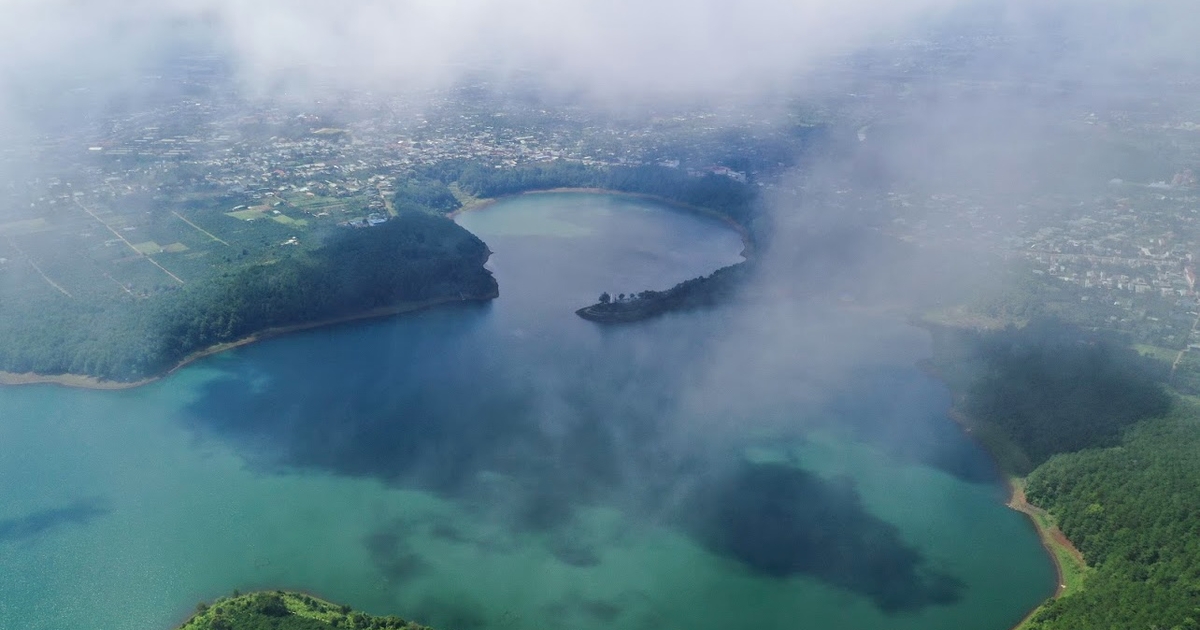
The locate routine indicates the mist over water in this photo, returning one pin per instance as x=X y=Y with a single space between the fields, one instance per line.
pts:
x=510 y=465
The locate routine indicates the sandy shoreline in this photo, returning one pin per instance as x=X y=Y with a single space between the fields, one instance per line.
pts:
x=1049 y=537
x=90 y=382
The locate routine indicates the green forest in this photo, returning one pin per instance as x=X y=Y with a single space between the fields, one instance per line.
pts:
x=413 y=258
x=1109 y=453
x=280 y=610
x=1047 y=388
x=1134 y=512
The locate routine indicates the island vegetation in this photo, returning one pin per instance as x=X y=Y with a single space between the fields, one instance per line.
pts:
x=705 y=291
x=283 y=610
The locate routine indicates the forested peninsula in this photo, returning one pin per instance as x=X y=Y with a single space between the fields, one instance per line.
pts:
x=1103 y=450
x=283 y=610
x=374 y=266
x=415 y=259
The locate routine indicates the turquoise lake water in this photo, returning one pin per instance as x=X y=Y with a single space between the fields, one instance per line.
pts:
x=763 y=465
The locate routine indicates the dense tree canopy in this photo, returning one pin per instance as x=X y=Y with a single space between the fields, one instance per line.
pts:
x=281 y=610
x=695 y=293
x=1050 y=388
x=713 y=192
x=1134 y=512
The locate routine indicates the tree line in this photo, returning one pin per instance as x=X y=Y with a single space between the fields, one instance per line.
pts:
x=413 y=258
x=1133 y=510
x=1048 y=388
x=713 y=192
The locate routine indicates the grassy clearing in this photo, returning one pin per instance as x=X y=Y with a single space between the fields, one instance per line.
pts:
x=1155 y=352
x=315 y=203
x=149 y=248
x=1074 y=571
x=962 y=317
x=175 y=248
x=286 y=220
x=468 y=201
x=28 y=226
x=1070 y=565
x=250 y=214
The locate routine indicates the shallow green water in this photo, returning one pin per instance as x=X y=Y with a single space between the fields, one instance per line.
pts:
x=512 y=466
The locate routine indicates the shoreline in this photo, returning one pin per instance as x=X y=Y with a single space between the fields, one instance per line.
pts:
x=1049 y=535
x=749 y=248
x=1052 y=539
x=80 y=381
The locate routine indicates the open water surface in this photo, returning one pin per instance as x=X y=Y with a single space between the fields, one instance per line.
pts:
x=767 y=465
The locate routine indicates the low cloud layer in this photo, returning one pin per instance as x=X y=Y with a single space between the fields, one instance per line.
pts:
x=615 y=48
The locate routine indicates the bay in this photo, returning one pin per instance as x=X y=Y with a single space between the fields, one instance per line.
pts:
x=771 y=464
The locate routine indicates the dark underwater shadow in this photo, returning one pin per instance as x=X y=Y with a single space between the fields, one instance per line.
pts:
x=36 y=524
x=781 y=521
x=451 y=406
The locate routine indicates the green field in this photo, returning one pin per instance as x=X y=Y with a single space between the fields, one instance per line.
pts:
x=1156 y=352
x=26 y=226
x=250 y=214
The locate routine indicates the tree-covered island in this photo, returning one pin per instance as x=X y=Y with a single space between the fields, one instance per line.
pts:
x=284 y=610
x=701 y=292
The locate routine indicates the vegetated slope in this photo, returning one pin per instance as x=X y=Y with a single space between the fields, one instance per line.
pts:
x=413 y=258
x=1134 y=512
x=1114 y=461
x=1047 y=388
x=279 y=610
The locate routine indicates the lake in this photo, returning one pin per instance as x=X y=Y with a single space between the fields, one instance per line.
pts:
x=768 y=464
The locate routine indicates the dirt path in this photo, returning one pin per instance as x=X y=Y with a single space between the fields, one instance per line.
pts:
x=1051 y=536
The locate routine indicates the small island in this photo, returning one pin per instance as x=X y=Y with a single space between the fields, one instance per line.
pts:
x=284 y=610
x=702 y=292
